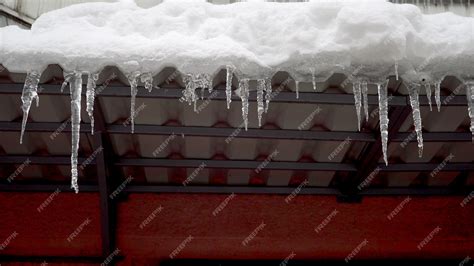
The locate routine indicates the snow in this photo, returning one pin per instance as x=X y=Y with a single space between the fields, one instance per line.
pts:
x=251 y=41
x=199 y=37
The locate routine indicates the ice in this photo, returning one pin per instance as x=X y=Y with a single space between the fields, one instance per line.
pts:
x=383 y=117
x=30 y=93
x=438 y=95
x=67 y=79
x=260 y=106
x=470 y=102
x=75 y=84
x=244 y=96
x=133 y=80
x=90 y=96
x=189 y=92
x=365 y=92
x=415 y=105
x=428 y=93
x=147 y=79
x=357 y=100
x=268 y=92
x=297 y=89
x=228 y=84
x=396 y=70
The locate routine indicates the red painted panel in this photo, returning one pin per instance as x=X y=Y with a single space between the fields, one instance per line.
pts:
x=46 y=232
x=146 y=232
x=291 y=227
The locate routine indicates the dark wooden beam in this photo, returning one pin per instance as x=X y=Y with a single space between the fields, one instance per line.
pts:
x=104 y=166
x=368 y=160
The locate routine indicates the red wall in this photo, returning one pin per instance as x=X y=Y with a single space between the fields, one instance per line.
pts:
x=289 y=227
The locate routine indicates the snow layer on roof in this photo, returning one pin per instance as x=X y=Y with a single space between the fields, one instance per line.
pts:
x=256 y=37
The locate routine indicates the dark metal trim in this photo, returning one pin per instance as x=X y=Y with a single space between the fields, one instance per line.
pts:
x=395 y=191
x=283 y=96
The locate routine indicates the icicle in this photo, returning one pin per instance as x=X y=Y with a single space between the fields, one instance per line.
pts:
x=313 y=77
x=90 y=95
x=147 y=79
x=470 y=102
x=228 y=85
x=383 y=117
x=133 y=80
x=415 y=105
x=297 y=88
x=75 y=84
x=358 y=100
x=268 y=93
x=189 y=92
x=428 y=94
x=244 y=95
x=365 y=92
x=67 y=79
x=396 y=70
x=260 y=107
x=30 y=92
x=438 y=95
